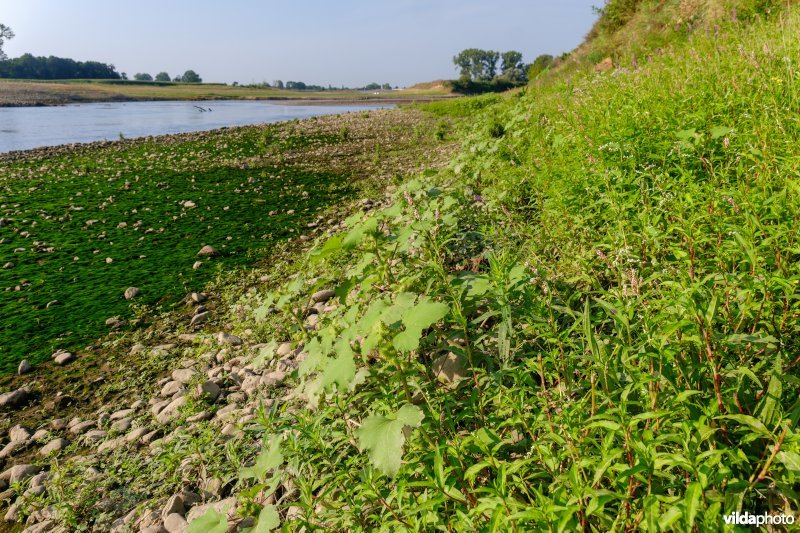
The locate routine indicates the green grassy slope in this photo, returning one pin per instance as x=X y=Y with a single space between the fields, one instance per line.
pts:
x=612 y=269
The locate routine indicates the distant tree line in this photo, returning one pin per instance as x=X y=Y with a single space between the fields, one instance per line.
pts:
x=28 y=66
x=301 y=86
x=189 y=76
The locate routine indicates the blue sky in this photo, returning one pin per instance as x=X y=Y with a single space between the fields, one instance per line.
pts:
x=339 y=42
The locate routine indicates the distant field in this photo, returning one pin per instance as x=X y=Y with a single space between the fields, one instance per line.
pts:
x=27 y=92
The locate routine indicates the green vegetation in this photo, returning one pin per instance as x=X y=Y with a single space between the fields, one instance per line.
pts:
x=589 y=322
x=29 y=67
x=82 y=226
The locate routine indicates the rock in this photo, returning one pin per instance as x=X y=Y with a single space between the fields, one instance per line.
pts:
x=208 y=391
x=226 y=411
x=52 y=303
x=63 y=357
x=9 y=265
x=94 y=436
x=312 y=321
x=119 y=415
x=171 y=411
x=159 y=406
x=200 y=309
x=200 y=318
x=184 y=375
x=197 y=297
x=13 y=514
x=7 y=495
x=19 y=433
x=149 y=438
x=111 y=444
x=55 y=445
x=170 y=388
x=82 y=427
x=138 y=404
x=323 y=296
x=19 y=473
x=196 y=265
x=136 y=435
x=228 y=505
x=14 y=397
x=132 y=292
x=123 y=424
x=199 y=417
x=24 y=367
x=153 y=529
x=9 y=449
x=284 y=349
x=208 y=251
x=137 y=349
x=187 y=338
x=227 y=338
x=174 y=505
x=175 y=523
x=449 y=368
x=39 y=435
x=58 y=424
x=45 y=526
x=272 y=378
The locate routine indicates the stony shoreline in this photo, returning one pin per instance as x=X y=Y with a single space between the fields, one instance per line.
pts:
x=189 y=374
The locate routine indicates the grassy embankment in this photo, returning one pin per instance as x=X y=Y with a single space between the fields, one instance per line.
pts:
x=27 y=92
x=590 y=322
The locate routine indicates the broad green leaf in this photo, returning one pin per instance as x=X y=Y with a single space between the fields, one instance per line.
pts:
x=383 y=438
x=416 y=319
x=341 y=369
x=720 y=131
x=332 y=245
x=270 y=458
x=211 y=522
x=268 y=520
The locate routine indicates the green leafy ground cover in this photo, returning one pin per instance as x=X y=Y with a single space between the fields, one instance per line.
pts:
x=72 y=210
x=612 y=266
x=590 y=322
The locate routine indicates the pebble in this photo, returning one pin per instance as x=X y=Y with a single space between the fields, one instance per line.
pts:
x=175 y=523
x=119 y=415
x=14 y=397
x=170 y=388
x=18 y=473
x=184 y=375
x=209 y=391
x=19 y=433
x=208 y=251
x=82 y=427
x=24 y=367
x=54 y=446
x=171 y=411
x=227 y=338
x=94 y=436
x=196 y=265
x=200 y=318
x=197 y=297
x=123 y=424
x=63 y=357
x=136 y=434
x=323 y=295
x=132 y=292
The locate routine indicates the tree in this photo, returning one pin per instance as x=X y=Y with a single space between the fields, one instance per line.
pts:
x=162 y=76
x=475 y=64
x=5 y=33
x=124 y=75
x=386 y=87
x=142 y=76
x=278 y=84
x=513 y=69
x=191 y=76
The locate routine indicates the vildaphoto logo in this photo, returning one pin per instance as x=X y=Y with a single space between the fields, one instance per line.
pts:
x=747 y=519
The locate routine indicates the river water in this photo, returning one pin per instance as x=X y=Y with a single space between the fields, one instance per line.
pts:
x=23 y=128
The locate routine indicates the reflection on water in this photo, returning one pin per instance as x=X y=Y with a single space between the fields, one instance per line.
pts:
x=22 y=128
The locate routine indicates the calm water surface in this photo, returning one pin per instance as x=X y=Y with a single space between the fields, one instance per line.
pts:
x=22 y=128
